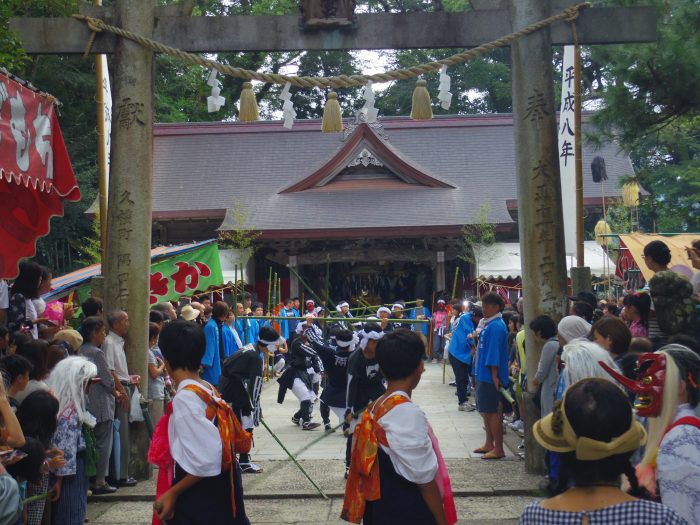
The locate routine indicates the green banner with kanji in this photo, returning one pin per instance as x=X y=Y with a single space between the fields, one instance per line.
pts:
x=185 y=273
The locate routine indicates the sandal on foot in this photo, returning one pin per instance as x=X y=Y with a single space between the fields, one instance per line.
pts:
x=491 y=455
x=481 y=450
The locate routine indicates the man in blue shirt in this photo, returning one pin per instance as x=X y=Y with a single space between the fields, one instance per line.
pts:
x=287 y=311
x=293 y=323
x=461 y=342
x=230 y=335
x=253 y=326
x=219 y=346
x=420 y=312
x=492 y=374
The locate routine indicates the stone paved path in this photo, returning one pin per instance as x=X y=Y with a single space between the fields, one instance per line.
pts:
x=472 y=511
x=487 y=492
x=458 y=432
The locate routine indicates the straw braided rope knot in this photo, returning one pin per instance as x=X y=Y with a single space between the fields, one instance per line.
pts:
x=570 y=14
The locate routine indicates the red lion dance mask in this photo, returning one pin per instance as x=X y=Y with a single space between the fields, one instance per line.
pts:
x=649 y=385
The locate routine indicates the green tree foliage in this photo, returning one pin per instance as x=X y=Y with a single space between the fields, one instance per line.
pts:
x=479 y=86
x=310 y=103
x=478 y=238
x=236 y=233
x=651 y=106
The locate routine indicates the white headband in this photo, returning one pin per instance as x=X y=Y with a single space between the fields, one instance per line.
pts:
x=344 y=303
x=383 y=309
x=367 y=336
x=397 y=305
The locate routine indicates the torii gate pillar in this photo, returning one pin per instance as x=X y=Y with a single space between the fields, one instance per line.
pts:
x=126 y=270
x=540 y=217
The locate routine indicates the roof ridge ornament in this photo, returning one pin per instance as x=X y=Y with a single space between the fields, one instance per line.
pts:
x=365 y=158
x=361 y=118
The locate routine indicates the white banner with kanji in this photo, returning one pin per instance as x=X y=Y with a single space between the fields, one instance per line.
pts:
x=567 y=151
x=106 y=141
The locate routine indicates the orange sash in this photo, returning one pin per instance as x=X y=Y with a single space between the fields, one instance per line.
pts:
x=233 y=437
x=363 y=479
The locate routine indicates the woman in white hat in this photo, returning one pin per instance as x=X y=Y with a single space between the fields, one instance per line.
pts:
x=189 y=313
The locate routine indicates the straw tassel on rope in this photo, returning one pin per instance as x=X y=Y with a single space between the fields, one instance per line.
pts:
x=332 y=116
x=630 y=194
x=421 y=108
x=602 y=228
x=248 y=108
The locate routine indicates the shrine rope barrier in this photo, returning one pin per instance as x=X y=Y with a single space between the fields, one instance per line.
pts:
x=570 y=14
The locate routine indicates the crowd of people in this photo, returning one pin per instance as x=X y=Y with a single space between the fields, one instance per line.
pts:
x=615 y=393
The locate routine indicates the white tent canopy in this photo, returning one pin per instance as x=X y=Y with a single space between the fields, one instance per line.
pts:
x=501 y=260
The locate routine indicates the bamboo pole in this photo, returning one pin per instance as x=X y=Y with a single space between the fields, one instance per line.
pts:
x=306 y=285
x=291 y=456
x=338 y=319
x=380 y=305
x=454 y=283
x=235 y=292
x=355 y=415
x=269 y=288
x=274 y=294
x=366 y=306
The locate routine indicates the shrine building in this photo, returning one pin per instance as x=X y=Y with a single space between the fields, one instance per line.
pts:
x=381 y=206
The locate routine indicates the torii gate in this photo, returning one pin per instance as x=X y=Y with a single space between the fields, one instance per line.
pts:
x=126 y=269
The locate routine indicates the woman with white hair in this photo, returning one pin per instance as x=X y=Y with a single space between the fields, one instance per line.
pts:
x=69 y=381
x=580 y=360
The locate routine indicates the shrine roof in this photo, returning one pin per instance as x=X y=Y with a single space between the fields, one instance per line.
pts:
x=413 y=173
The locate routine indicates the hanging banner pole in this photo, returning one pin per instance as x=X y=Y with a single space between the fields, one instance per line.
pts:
x=579 y=156
x=103 y=99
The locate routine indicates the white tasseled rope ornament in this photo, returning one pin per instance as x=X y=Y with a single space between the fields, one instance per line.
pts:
x=288 y=113
x=215 y=101
x=444 y=95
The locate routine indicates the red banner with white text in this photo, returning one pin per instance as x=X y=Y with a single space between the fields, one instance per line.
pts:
x=35 y=171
